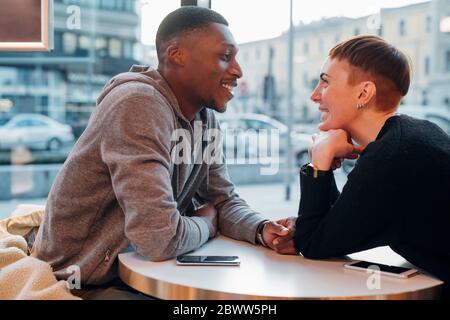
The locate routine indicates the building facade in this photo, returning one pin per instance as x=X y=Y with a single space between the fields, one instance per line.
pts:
x=93 y=40
x=414 y=28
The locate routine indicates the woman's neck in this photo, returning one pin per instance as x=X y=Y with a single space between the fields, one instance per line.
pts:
x=366 y=128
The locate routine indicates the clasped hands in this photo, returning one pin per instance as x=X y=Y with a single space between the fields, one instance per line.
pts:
x=327 y=151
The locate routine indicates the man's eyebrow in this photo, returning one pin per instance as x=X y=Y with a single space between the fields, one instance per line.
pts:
x=230 y=46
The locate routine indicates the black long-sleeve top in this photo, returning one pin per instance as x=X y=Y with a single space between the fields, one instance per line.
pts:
x=397 y=195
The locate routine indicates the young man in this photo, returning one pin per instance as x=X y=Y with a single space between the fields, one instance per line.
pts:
x=120 y=185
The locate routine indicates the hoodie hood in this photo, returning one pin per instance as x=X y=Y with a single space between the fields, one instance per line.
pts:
x=147 y=75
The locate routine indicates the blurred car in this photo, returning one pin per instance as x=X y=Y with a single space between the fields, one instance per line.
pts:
x=433 y=114
x=436 y=115
x=248 y=127
x=34 y=131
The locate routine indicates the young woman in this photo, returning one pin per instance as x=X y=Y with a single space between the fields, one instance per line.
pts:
x=398 y=194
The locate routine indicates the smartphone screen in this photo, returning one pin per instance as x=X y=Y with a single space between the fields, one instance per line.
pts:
x=204 y=260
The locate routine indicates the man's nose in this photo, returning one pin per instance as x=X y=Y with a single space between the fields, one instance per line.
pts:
x=235 y=69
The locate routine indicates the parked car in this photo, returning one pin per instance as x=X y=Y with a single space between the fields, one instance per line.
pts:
x=433 y=114
x=436 y=115
x=241 y=128
x=35 y=131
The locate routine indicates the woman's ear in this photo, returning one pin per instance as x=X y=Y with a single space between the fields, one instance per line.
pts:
x=368 y=92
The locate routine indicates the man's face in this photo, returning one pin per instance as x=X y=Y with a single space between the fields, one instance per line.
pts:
x=211 y=69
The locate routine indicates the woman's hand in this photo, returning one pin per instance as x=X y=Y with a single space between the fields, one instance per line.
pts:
x=328 y=148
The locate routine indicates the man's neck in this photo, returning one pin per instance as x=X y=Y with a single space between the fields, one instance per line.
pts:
x=187 y=108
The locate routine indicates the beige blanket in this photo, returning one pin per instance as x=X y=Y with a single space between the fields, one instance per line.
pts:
x=21 y=276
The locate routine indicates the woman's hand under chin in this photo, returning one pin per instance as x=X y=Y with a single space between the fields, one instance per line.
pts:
x=330 y=146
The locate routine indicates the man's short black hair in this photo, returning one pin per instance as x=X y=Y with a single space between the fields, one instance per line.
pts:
x=185 y=19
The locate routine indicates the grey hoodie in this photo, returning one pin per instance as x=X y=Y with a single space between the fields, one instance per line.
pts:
x=120 y=186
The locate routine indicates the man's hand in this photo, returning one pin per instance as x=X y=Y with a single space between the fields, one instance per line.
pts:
x=273 y=230
x=209 y=214
x=285 y=244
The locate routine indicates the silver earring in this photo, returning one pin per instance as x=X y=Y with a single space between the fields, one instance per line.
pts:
x=359 y=106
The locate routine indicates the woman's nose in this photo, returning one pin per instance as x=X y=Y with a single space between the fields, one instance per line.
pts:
x=315 y=96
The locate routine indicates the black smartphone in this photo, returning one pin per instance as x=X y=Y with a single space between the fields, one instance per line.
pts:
x=188 y=260
x=393 y=271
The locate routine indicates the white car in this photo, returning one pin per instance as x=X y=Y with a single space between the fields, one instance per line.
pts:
x=35 y=131
x=245 y=128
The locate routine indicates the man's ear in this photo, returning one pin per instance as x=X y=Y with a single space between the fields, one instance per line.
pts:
x=175 y=55
x=368 y=91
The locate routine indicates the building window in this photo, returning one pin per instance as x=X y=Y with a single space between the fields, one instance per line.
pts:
x=69 y=43
x=356 y=32
x=115 y=48
x=320 y=45
x=258 y=54
x=128 y=49
x=402 y=28
x=107 y=4
x=447 y=61
x=306 y=48
x=129 y=6
x=101 y=46
x=380 y=31
x=427 y=65
x=428 y=24
x=85 y=42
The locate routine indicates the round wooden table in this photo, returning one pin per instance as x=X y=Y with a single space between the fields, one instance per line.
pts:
x=264 y=274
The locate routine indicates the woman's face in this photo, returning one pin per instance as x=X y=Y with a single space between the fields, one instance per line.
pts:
x=337 y=99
